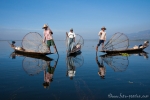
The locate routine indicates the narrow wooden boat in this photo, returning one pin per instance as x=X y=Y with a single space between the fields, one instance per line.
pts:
x=119 y=43
x=31 y=44
x=130 y=50
x=25 y=52
x=31 y=53
x=126 y=54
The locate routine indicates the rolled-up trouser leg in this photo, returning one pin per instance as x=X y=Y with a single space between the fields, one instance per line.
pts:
x=69 y=44
x=99 y=43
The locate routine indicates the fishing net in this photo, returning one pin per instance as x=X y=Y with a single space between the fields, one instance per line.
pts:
x=33 y=66
x=75 y=46
x=118 y=63
x=118 y=41
x=76 y=61
x=33 y=42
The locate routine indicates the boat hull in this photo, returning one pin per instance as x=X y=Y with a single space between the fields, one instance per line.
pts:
x=31 y=53
x=124 y=51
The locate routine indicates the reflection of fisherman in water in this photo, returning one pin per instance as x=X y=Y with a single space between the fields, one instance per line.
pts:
x=48 y=75
x=102 y=69
x=144 y=55
x=13 y=55
x=70 y=67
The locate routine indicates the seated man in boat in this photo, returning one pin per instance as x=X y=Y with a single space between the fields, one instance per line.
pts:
x=142 y=46
x=13 y=44
x=71 y=40
x=16 y=48
x=48 y=76
x=102 y=69
x=146 y=44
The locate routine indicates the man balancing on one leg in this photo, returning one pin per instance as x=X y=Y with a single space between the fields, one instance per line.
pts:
x=71 y=35
x=48 y=36
x=102 y=37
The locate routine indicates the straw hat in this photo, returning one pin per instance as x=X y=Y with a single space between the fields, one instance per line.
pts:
x=44 y=26
x=103 y=28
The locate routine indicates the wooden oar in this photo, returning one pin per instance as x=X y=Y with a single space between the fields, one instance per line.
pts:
x=56 y=48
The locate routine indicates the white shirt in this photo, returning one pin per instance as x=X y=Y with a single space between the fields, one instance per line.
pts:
x=47 y=34
x=71 y=73
x=102 y=35
x=71 y=35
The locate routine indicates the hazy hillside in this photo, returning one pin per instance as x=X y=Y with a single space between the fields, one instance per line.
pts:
x=141 y=35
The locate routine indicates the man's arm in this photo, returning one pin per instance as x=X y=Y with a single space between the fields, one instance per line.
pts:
x=44 y=39
x=67 y=34
x=50 y=31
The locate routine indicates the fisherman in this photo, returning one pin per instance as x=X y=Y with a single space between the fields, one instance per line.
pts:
x=102 y=38
x=71 y=35
x=145 y=44
x=48 y=36
x=102 y=69
x=13 y=44
x=48 y=75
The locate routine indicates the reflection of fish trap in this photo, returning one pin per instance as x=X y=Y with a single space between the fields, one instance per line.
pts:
x=118 y=63
x=76 y=61
x=33 y=66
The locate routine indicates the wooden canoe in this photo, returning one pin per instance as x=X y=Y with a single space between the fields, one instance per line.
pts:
x=117 y=54
x=29 y=52
x=130 y=50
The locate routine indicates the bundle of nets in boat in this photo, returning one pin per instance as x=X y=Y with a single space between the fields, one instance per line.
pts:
x=33 y=42
x=118 y=41
x=75 y=45
x=118 y=63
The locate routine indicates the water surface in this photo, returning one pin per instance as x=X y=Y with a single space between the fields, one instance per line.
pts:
x=22 y=78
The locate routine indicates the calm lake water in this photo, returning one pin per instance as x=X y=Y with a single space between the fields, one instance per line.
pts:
x=126 y=77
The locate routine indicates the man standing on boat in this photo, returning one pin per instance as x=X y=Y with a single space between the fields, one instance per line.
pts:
x=71 y=38
x=48 y=37
x=102 y=37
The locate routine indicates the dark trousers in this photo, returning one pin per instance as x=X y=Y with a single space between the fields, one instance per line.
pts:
x=100 y=41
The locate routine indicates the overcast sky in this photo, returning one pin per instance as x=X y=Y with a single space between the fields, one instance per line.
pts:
x=86 y=17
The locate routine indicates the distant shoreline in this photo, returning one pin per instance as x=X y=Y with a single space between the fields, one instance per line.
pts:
x=88 y=40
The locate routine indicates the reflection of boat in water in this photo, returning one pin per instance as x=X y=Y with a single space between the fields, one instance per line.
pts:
x=33 y=64
x=119 y=61
x=14 y=54
x=32 y=43
x=73 y=61
x=119 y=43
